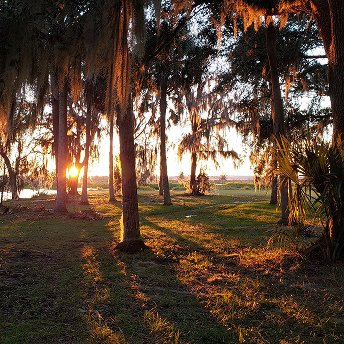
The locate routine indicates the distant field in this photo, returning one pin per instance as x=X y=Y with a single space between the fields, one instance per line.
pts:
x=102 y=183
x=208 y=278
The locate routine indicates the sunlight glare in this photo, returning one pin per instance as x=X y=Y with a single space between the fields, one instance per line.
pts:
x=73 y=172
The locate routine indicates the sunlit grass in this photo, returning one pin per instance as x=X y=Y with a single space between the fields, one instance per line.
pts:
x=208 y=278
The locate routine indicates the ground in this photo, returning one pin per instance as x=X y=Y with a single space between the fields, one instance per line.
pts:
x=208 y=276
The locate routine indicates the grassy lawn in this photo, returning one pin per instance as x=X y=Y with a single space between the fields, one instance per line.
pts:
x=208 y=278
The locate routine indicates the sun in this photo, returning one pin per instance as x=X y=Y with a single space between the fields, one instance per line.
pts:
x=73 y=171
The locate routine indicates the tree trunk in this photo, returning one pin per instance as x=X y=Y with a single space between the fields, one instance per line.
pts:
x=277 y=112
x=112 y=197
x=336 y=68
x=274 y=193
x=62 y=152
x=73 y=180
x=73 y=185
x=161 y=189
x=329 y=18
x=163 y=159
x=131 y=238
x=84 y=196
x=193 y=173
x=12 y=175
x=55 y=114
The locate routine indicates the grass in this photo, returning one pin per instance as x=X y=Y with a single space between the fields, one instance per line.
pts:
x=208 y=277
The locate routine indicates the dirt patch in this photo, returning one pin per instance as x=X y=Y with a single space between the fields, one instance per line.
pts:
x=45 y=209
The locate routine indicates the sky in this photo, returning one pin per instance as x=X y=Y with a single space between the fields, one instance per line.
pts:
x=174 y=166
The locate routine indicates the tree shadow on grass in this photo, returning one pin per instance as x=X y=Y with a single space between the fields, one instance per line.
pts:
x=249 y=294
x=139 y=299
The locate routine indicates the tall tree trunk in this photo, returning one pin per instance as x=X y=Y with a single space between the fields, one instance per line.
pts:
x=55 y=114
x=161 y=189
x=336 y=67
x=277 y=112
x=329 y=18
x=131 y=238
x=12 y=176
x=62 y=152
x=112 y=197
x=84 y=196
x=193 y=173
x=73 y=180
x=163 y=159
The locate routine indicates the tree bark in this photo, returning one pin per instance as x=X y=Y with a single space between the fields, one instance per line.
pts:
x=193 y=173
x=12 y=175
x=62 y=152
x=73 y=185
x=131 y=238
x=74 y=180
x=336 y=67
x=163 y=159
x=55 y=114
x=274 y=193
x=161 y=189
x=328 y=16
x=112 y=197
x=277 y=113
x=84 y=196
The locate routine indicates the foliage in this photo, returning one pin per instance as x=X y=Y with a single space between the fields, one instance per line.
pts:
x=202 y=183
x=317 y=167
x=249 y=80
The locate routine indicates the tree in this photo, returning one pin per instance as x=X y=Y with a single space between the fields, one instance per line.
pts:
x=208 y=115
x=17 y=151
x=318 y=167
x=329 y=18
x=328 y=15
x=61 y=196
x=89 y=110
x=277 y=112
x=127 y=18
x=131 y=240
x=163 y=160
x=251 y=58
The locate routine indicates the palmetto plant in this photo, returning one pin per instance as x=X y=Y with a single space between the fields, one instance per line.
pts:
x=318 y=167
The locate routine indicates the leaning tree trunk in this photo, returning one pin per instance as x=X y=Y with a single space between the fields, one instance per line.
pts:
x=84 y=196
x=277 y=113
x=62 y=152
x=131 y=238
x=163 y=159
x=12 y=175
x=112 y=197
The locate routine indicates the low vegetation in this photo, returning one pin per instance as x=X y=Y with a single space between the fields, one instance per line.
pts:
x=207 y=278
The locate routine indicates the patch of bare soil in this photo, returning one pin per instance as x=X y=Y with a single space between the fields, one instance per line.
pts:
x=45 y=209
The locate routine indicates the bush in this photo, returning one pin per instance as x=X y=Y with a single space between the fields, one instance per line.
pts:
x=202 y=183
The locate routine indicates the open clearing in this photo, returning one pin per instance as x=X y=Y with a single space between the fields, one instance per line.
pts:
x=208 y=277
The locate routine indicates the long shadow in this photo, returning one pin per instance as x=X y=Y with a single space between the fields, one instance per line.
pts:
x=243 y=299
x=139 y=299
